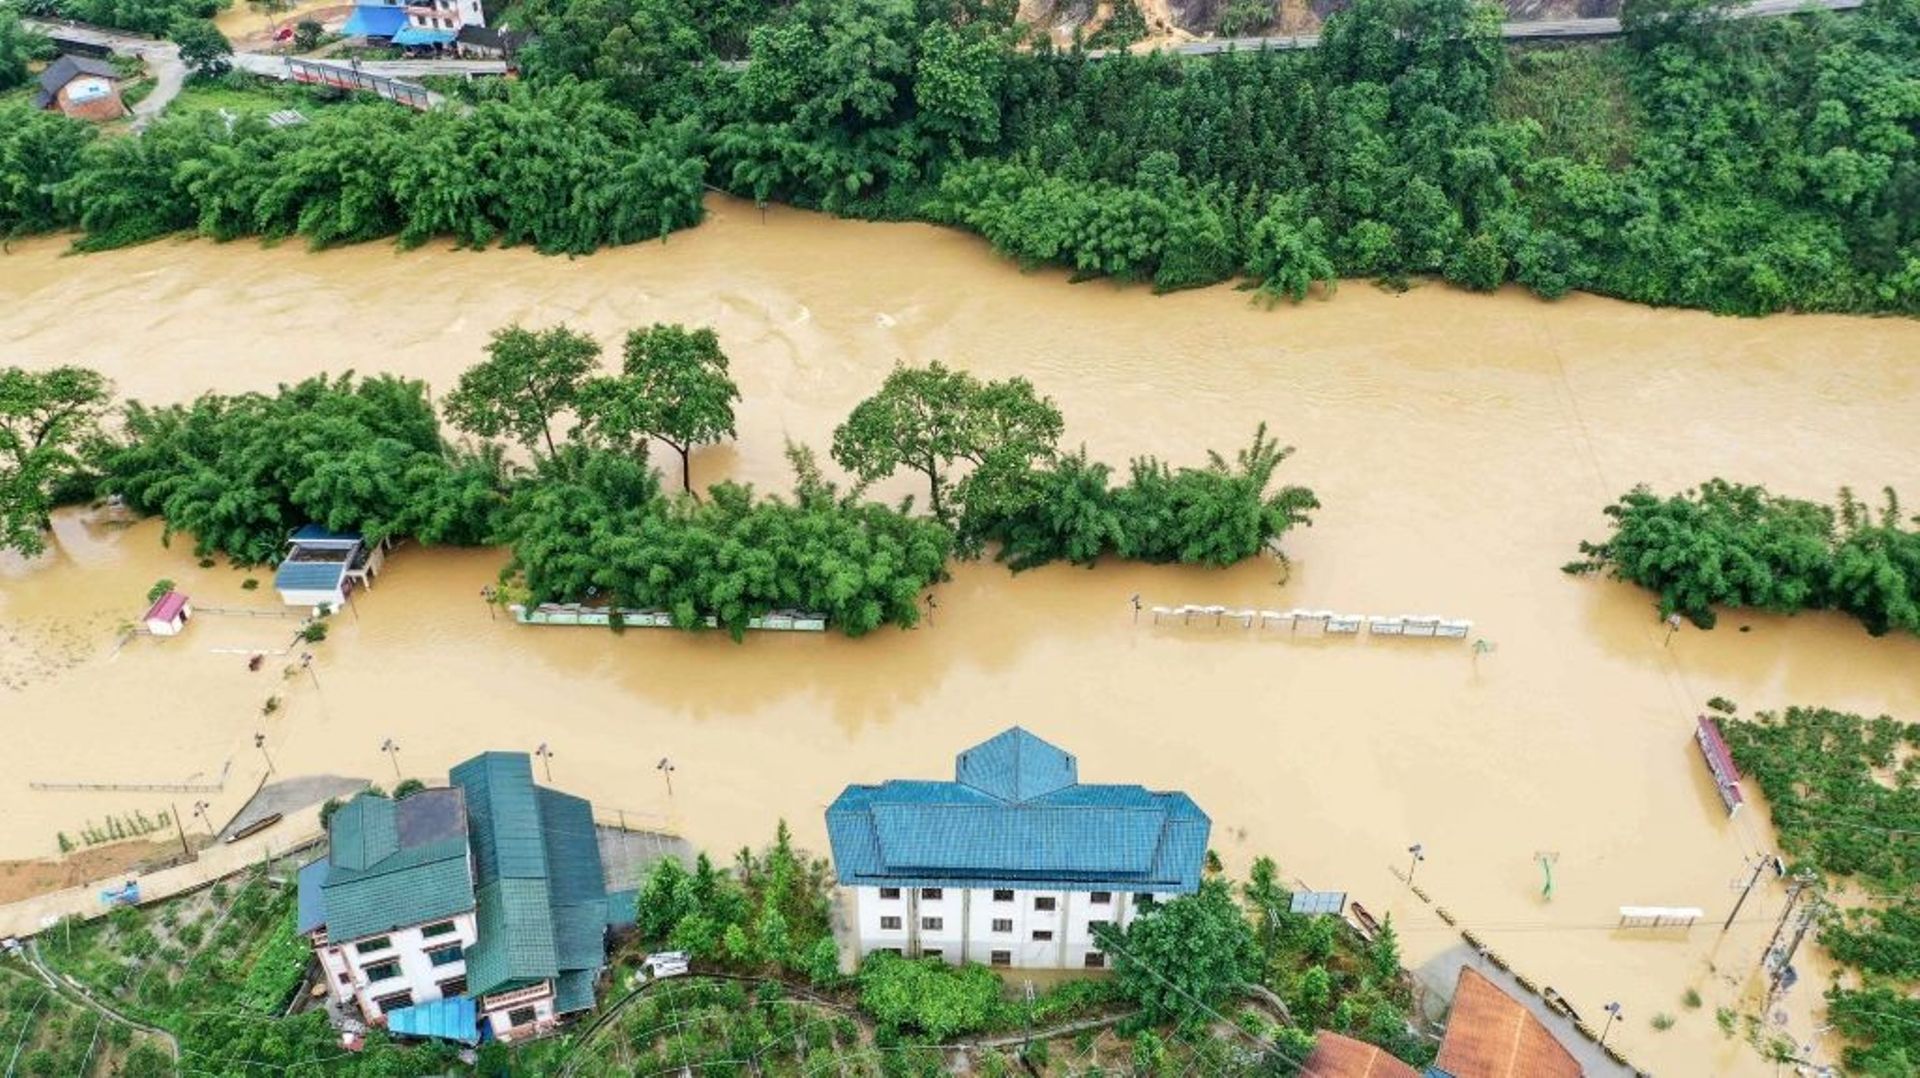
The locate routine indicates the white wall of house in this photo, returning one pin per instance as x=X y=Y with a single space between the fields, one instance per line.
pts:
x=395 y=962
x=332 y=597
x=523 y=1013
x=1022 y=928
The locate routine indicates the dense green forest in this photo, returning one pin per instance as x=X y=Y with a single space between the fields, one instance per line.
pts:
x=1738 y=165
x=1732 y=546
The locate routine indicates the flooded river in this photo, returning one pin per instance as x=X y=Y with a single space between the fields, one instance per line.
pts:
x=1462 y=446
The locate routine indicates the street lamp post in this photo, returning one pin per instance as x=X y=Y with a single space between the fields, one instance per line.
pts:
x=393 y=753
x=1419 y=854
x=260 y=742
x=665 y=767
x=546 y=758
x=200 y=810
x=1613 y=1012
x=306 y=663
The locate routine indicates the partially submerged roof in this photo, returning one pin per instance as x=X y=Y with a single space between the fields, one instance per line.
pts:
x=167 y=607
x=1335 y=1056
x=390 y=865
x=309 y=575
x=1490 y=1034
x=1016 y=814
x=314 y=534
x=540 y=888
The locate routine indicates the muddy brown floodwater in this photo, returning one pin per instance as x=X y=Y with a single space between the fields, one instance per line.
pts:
x=1462 y=445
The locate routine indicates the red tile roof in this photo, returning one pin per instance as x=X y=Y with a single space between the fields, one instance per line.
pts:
x=167 y=607
x=1492 y=1035
x=1335 y=1056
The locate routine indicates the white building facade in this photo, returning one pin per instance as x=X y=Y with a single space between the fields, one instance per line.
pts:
x=413 y=965
x=1013 y=864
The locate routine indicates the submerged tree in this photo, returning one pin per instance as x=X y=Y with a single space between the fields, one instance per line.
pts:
x=929 y=418
x=47 y=421
x=673 y=386
x=528 y=378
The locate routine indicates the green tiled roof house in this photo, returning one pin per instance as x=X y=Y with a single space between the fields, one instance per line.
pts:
x=479 y=908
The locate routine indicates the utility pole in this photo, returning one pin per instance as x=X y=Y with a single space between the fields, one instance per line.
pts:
x=1807 y=917
x=186 y=850
x=1758 y=864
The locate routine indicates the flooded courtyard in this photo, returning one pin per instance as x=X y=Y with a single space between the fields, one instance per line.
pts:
x=1462 y=447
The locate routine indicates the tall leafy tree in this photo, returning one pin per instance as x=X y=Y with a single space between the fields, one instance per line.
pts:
x=673 y=386
x=929 y=418
x=528 y=378
x=18 y=45
x=1183 y=960
x=203 y=48
x=47 y=421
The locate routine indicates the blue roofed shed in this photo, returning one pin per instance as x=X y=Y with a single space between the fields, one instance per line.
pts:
x=417 y=36
x=452 y=1019
x=1016 y=815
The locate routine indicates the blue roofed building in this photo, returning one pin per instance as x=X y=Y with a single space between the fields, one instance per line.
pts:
x=321 y=567
x=1014 y=862
x=471 y=911
x=415 y=23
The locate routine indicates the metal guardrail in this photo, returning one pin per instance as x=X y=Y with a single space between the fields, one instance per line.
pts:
x=347 y=78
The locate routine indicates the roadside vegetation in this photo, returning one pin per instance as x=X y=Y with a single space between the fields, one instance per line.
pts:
x=1845 y=795
x=1744 y=166
x=1724 y=545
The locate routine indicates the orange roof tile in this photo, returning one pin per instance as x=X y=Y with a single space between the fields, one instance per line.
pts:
x=1335 y=1056
x=1492 y=1035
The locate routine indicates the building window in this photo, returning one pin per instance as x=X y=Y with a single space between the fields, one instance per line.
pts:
x=345 y=977
x=1094 y=923
x=377 y=943
x=890 y=924
x=932 y=894
x=1096 y=960
x=446 y=956
x=456 y=986
x=932 y=952
x=392 y=1003
x=441 y=929
x=894 y=951
x=1143 y=900
x=1000 y=958
x=1003 y=895
x=889 y=892
x=521 y=1016
x=1044 y=905
x=381 y=971
x=1041 y=935
x=1101 y=898
x=931 y=924
x=1003 y=924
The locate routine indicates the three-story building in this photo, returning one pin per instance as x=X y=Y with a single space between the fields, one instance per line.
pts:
x=1014 y=862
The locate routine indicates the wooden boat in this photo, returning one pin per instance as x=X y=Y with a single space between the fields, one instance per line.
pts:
x=1363 y=921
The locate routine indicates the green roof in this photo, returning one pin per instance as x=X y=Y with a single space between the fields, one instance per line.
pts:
x=391 y=865
x=540 y=887
x=574 y=990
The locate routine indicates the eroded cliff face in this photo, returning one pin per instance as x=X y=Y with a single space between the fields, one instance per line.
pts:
x=1245 y=18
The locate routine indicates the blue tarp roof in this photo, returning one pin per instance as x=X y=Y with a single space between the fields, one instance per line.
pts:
x=309 y=575
x=1016 y=816
x=414 y=35
x=374 y=20
x=451 y=1019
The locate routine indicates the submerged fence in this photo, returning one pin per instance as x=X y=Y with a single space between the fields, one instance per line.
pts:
x=581 y=614
x=347 y=78
x=1318 y=622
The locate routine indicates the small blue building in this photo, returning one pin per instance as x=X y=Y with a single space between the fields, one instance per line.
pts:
x=1013 y=863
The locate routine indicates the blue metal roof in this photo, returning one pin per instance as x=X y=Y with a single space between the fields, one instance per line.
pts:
x=415 y=35
x=309 y=575
x=1017 y=816
x=452 y=1019
x=314 y=533
x=313 y=900
x=374 y=20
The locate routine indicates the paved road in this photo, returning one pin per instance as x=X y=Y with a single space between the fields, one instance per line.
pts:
x=1543 y=29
